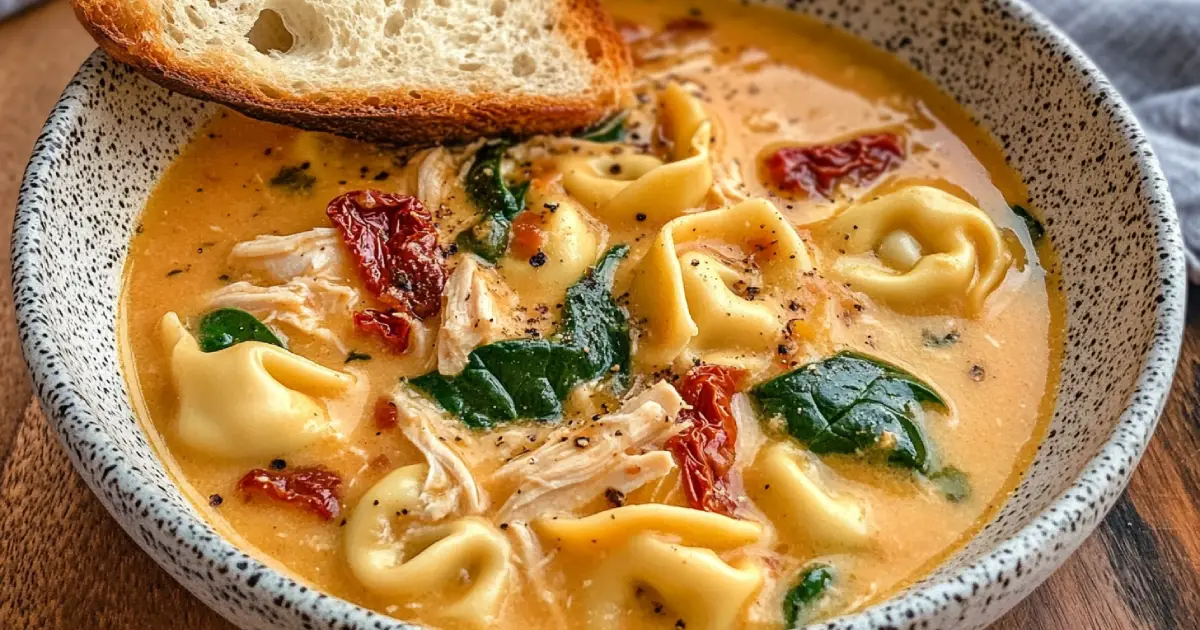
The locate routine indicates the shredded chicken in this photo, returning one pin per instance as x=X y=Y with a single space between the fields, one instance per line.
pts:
x=471 y=316
x=450 y=481
x=436 y=172
x=317 y=253
x=534 y=558
x=303 y=303
x=577 y=463
x=750 y=436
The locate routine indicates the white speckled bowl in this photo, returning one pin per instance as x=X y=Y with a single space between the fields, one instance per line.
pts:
x=1063 y=127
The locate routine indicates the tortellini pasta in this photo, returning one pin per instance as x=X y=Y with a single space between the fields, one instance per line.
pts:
x=572 y=245
x=468 y=554
x=249 y=400
x=684 y=525
x=694 y=583
x=684 y=292
x=666 y=548
x=787 y=483
x=628 y=187
x=919 y=247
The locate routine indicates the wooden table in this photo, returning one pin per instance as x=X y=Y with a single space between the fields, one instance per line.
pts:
x=64 y=563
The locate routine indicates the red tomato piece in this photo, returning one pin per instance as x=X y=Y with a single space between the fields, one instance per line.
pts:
x=705 y=450
x=392 y=326
x=315 y=488
x=818 y=170
x=386 y=414
x=394 y=244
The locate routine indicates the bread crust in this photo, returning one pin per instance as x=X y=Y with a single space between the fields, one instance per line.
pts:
x=129 y=31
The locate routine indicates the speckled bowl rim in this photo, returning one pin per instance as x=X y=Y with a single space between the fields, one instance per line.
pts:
x=1046 y=533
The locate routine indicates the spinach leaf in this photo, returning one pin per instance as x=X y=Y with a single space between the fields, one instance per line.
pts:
x=852 y=403
x=498 y=203
x=811 y=586
x=355 y=355
x=225 y=327
x=952 y=483
x=529 y=378
x=1036 y=231
x=611 y=129
x=294 y=178
x=592 y=321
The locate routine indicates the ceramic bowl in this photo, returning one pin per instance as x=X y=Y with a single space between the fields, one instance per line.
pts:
x=1086 y=162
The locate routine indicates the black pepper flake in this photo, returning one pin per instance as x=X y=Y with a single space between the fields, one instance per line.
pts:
x=538 y=259
x=782 y=349
x=278 y=464
x=641 y=216
x=174 y=272
x=503 y=525
x=382 y=175
x=375 y=502
x=582 y=442
x=976 y=373
x=550 y=206
x=215 y=500
x=615 y=497
x=680 y=624
x=695 y=262
x=404 y=512
x=223 y=277
x=615 y=169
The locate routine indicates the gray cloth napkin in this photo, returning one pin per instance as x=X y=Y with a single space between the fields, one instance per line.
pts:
x=9 y=7
x=1150 y=49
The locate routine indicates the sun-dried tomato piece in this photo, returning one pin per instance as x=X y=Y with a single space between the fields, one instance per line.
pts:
x=818 y=170
x=386 y=414
x=528 y=236
x=705 y=450
x=394 y=243
x=313 y=488
x=392 y=326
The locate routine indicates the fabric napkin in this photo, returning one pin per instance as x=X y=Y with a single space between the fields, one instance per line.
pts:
x=1150 y=49
x=10 y=7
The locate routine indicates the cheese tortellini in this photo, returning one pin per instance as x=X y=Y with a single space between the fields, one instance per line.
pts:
x=628 y=187
x=712 y=286
x=249 y=400
x=662 y=547
x=468 y=559
x=920 y=247
x=572 y=244
x=789 y=485
x=694 y=583
x=684 y=525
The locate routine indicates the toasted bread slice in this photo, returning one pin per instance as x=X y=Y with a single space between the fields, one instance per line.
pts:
x=403 y=71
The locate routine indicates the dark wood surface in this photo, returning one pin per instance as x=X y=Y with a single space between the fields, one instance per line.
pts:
x=64 y=563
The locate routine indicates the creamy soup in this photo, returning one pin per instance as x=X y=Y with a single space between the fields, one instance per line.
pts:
x=761 y=350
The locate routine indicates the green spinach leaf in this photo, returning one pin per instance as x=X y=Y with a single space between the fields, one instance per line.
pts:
x=952 y=483
x=1036 y=231
x=853 y=403
x=529 y=378
x=498 y=203
x=611 y=129
x=294 y=178
x=593 y=322
x=812 y=585
x=225 y=327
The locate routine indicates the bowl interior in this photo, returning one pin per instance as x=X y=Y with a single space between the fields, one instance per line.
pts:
x=1087 y=167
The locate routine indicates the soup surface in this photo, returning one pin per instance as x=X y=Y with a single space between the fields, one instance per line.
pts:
x=763 y=350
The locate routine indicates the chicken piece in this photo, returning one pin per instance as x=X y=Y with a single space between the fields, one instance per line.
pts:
x=577 y=463
x=317 y=253
x=472 y=314
x=303 y=303
x=450 y=480
x=437 y=169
